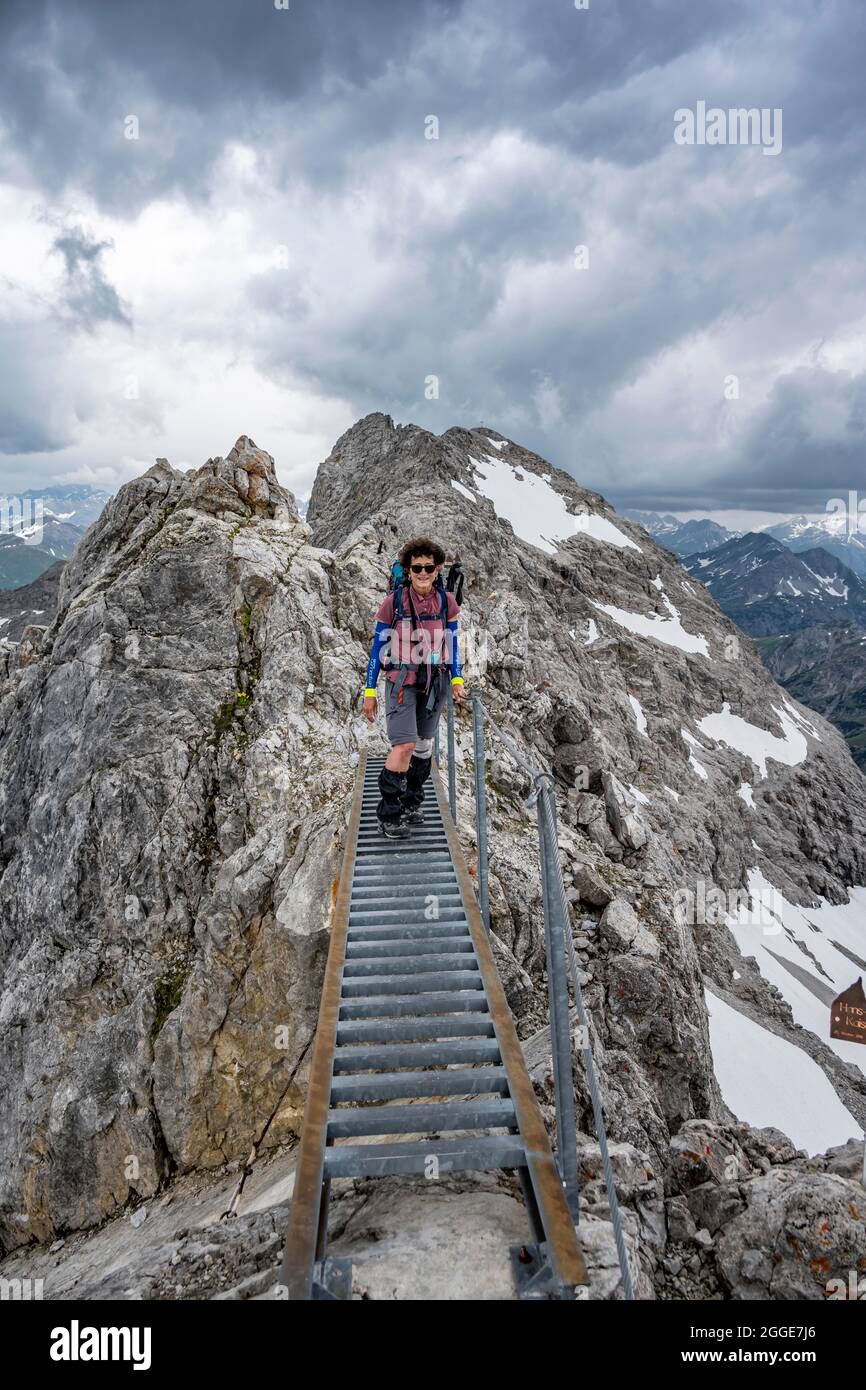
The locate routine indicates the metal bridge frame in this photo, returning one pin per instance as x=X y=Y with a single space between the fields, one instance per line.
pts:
x=554 y=1266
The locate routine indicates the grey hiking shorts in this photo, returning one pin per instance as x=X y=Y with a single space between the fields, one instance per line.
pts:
x=408 y=722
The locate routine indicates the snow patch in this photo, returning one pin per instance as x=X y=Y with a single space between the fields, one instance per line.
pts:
x=745 y=791
x=755 y=1070
x=668 y=630
x=464 y=490
x=800 y=719
x=640 y=717
x=598 y=528
x=757 y=743
x=536 y=511
x=805 y=936
x=697 y=768
x=591 y=632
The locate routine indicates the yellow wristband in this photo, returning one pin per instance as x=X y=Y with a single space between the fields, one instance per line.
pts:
x=368 y=692
x=457 y=680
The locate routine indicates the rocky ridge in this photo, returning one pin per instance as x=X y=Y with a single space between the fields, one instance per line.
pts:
x=176 y=751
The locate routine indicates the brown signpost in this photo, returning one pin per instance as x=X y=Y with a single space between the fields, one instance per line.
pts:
x=848 y=1014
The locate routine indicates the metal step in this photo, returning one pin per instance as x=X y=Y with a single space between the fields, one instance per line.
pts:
x=414 y=1005
x=414 y=932
x=403 y=916
x=378 y=845
x=396 y=852
x=420 y=1119
x=438 y=1155
x=397 y=874
x=390 y=1056
x=407 y=983
x=414 y=894
x=414 y=1029
x=458 y=1081
x=432 y=945
x=406 y=890
x=423 y=964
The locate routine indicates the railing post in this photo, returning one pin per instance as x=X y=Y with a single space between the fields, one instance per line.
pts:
x=452 y=770
x=481 y=808
x=560 y=1034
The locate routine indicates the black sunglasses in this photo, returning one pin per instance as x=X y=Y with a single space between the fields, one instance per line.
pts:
x=423 y=569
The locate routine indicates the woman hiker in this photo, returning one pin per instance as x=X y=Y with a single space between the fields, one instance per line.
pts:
x=416 y=642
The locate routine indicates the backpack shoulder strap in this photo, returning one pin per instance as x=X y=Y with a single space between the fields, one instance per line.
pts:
x=400 y=591
x=407 y=590
x=455 y=581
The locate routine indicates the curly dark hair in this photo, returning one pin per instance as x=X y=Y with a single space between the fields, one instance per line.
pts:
x=422 y=545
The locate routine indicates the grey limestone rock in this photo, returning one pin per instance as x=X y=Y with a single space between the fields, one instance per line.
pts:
x=177 y=749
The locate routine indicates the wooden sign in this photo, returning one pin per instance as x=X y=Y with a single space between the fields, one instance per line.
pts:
x=848 y=1014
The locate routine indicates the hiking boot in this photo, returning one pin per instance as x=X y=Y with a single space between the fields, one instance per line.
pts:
x=413 y=816
x=394 y=829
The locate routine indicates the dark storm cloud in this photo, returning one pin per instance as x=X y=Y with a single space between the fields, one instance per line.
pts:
x=88 y=297
x=323 y=78
x=331 y=95
x=812 y=428
x=195 y=74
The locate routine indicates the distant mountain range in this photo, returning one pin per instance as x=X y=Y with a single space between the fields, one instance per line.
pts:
x=681 y=537
x=67 y=511
x=807 y=611
x=768 y=589
x=78 y=503
x=798 y=533
x=830 y=532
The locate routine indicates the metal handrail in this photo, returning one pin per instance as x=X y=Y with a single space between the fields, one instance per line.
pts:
x=561 y=961
x=592 y=1082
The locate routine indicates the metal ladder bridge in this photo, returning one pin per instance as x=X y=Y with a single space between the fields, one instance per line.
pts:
x=416 y=1065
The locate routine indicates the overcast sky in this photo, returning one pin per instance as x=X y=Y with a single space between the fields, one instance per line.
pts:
x=281 y=249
